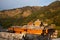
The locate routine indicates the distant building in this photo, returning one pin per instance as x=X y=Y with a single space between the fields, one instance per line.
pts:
x=45 y=24
x=37 y=23
x=30 y=23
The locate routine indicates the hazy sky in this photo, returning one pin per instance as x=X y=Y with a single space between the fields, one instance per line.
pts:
x=9 y=4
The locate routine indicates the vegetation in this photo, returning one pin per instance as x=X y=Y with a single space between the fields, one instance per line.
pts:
x=49 y=14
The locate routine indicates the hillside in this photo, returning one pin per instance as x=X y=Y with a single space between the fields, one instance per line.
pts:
x=21 y=16
x=18 y=12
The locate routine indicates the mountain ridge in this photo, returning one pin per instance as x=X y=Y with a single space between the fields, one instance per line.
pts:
x=21 y=16
x=22 y=10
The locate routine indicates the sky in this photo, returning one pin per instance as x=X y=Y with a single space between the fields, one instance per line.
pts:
x=10 y=4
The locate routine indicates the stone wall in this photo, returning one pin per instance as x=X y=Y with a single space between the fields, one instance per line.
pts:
x=11 y=36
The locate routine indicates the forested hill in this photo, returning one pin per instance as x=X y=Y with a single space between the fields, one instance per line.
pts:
x=21 y=16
